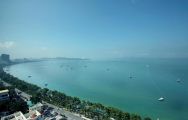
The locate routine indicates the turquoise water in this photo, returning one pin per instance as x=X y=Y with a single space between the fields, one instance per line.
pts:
x=133 y=85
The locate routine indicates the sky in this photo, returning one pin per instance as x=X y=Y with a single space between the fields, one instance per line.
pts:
x=95 y=29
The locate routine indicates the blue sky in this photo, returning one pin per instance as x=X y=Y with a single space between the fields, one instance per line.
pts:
x=96 y=29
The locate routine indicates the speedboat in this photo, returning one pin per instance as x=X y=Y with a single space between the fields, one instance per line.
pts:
x=161 y=99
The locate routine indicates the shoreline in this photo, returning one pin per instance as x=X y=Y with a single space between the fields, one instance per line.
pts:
x=137 y=116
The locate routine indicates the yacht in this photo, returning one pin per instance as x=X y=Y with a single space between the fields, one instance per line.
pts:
x=161 y=99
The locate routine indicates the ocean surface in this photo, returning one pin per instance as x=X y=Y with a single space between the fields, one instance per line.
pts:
x=133 y=85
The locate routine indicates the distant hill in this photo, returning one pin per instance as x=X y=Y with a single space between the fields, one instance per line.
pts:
x=5 y=59
x=65 y=58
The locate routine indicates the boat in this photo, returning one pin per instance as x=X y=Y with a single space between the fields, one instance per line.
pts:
x=46 y=84
x=161 y=99
x=131 y=77
x=29 y=76
x=178 y=80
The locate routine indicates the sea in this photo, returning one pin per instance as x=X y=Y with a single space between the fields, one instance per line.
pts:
x=133 y=85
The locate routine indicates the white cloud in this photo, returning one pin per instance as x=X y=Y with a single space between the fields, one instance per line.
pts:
x=6 y=44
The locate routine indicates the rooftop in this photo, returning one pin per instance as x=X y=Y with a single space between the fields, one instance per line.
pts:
x=4 y=91
x=15 y=116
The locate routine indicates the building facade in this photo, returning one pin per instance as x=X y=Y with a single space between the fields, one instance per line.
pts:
x=5 y=57
x=4 y=95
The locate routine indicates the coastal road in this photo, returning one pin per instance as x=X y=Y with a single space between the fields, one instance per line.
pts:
x=71 y=116
x=22 y=94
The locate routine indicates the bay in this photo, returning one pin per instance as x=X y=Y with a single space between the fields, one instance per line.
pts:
x=132 y=85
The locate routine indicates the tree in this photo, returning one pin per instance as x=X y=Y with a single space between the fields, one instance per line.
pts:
x=147 y=118
x=17 y=105
x=36 y=98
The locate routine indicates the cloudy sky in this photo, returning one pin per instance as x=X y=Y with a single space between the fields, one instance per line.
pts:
x=96 y=29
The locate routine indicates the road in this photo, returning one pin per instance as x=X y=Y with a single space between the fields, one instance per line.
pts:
x=71 y=116
x=23 y=95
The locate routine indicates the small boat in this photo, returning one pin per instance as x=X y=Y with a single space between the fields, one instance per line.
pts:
x=46 y=84
x=131 y=77
x=107 y=69
x=178 y=80
x=29 y=76
x=161 y=99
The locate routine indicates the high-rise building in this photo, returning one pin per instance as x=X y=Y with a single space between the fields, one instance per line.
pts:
x=5 y=57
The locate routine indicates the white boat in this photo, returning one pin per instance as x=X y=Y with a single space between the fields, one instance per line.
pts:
x=161 y=99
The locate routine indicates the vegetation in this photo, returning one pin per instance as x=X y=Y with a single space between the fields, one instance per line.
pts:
x=14 y=104
x=91 y=110
x=147 y=118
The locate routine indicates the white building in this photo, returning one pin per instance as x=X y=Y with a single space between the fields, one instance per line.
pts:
x=37 y=107
x=32 y=115
x=4 y=95
x=15 y=116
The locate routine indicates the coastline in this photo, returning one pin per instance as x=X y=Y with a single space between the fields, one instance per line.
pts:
x=131 y=116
